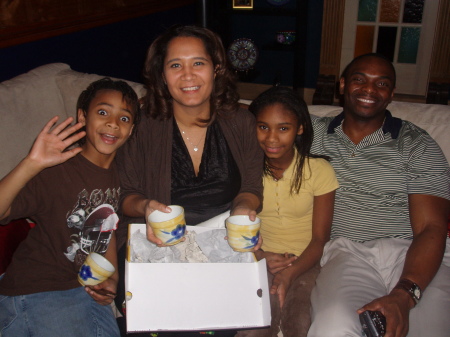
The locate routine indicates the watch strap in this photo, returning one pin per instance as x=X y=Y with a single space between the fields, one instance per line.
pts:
x=411 y=288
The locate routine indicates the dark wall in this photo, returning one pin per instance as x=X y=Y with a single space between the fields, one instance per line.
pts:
x=313 y=42
x=295 y=66
x=119 y=49
x=116 y=50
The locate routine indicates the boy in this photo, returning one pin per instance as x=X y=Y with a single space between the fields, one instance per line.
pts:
x=72 y=196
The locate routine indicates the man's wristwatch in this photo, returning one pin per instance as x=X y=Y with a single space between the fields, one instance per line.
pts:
x=411 y=288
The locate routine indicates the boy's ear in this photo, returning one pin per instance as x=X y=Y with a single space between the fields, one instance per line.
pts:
x=81 y=117
x=131 y=130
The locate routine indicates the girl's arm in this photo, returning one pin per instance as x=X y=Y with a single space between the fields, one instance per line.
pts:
x=323 y=208
x=48 y=150
x=321 y=229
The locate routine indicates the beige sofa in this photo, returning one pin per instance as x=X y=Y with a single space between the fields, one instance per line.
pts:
x=28 y=101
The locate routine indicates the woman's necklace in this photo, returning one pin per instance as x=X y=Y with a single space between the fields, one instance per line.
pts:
x=189 y=140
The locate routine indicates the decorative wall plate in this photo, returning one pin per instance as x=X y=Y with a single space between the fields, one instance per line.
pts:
x=278 y=2
x=242 y=54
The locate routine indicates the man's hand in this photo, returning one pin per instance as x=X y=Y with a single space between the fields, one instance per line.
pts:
x=395 y=307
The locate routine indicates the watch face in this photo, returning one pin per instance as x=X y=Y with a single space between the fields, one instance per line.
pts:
x=413 y=289
x=417 y=293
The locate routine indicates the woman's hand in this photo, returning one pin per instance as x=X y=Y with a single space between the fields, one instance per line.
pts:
x=258 y=246
x=243 y=210
x=278 y=262
x=103 y=293
x=245 y=204
x=151 y=206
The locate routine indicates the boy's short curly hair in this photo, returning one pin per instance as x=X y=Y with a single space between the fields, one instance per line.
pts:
x=129 y=95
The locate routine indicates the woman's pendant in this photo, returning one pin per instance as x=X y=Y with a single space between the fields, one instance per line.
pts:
x=195 y=148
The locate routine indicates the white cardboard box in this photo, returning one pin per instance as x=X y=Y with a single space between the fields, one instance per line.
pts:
x=195 y=296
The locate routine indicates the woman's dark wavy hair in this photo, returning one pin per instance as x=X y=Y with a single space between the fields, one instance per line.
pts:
x=158 y=102
x=297 y=106
x=106 y=83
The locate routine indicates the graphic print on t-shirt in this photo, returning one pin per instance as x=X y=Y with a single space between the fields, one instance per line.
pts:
x=94 y=218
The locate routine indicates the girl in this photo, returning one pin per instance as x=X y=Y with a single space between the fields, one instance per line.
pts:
x=299 y=190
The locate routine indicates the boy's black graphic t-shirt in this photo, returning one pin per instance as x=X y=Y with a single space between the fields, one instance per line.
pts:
x=73 y=205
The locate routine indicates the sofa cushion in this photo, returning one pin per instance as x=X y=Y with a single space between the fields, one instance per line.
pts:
x=433 y=118
x=27 y=102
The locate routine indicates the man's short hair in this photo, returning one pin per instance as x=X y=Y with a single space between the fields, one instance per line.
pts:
x=377 y=55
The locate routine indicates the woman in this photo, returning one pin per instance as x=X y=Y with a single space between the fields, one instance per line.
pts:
x=194 y=147
x=299 y=190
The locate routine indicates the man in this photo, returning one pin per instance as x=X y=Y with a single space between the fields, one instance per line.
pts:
x=391 y=211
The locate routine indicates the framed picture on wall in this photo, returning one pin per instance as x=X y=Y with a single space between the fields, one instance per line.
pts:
x=242 y=4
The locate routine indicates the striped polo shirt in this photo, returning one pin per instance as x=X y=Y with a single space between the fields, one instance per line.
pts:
x=376 y=176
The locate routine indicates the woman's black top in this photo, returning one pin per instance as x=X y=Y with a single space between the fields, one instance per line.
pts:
x=218 y=181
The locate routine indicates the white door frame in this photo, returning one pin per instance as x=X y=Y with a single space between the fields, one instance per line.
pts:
x=412 y=79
